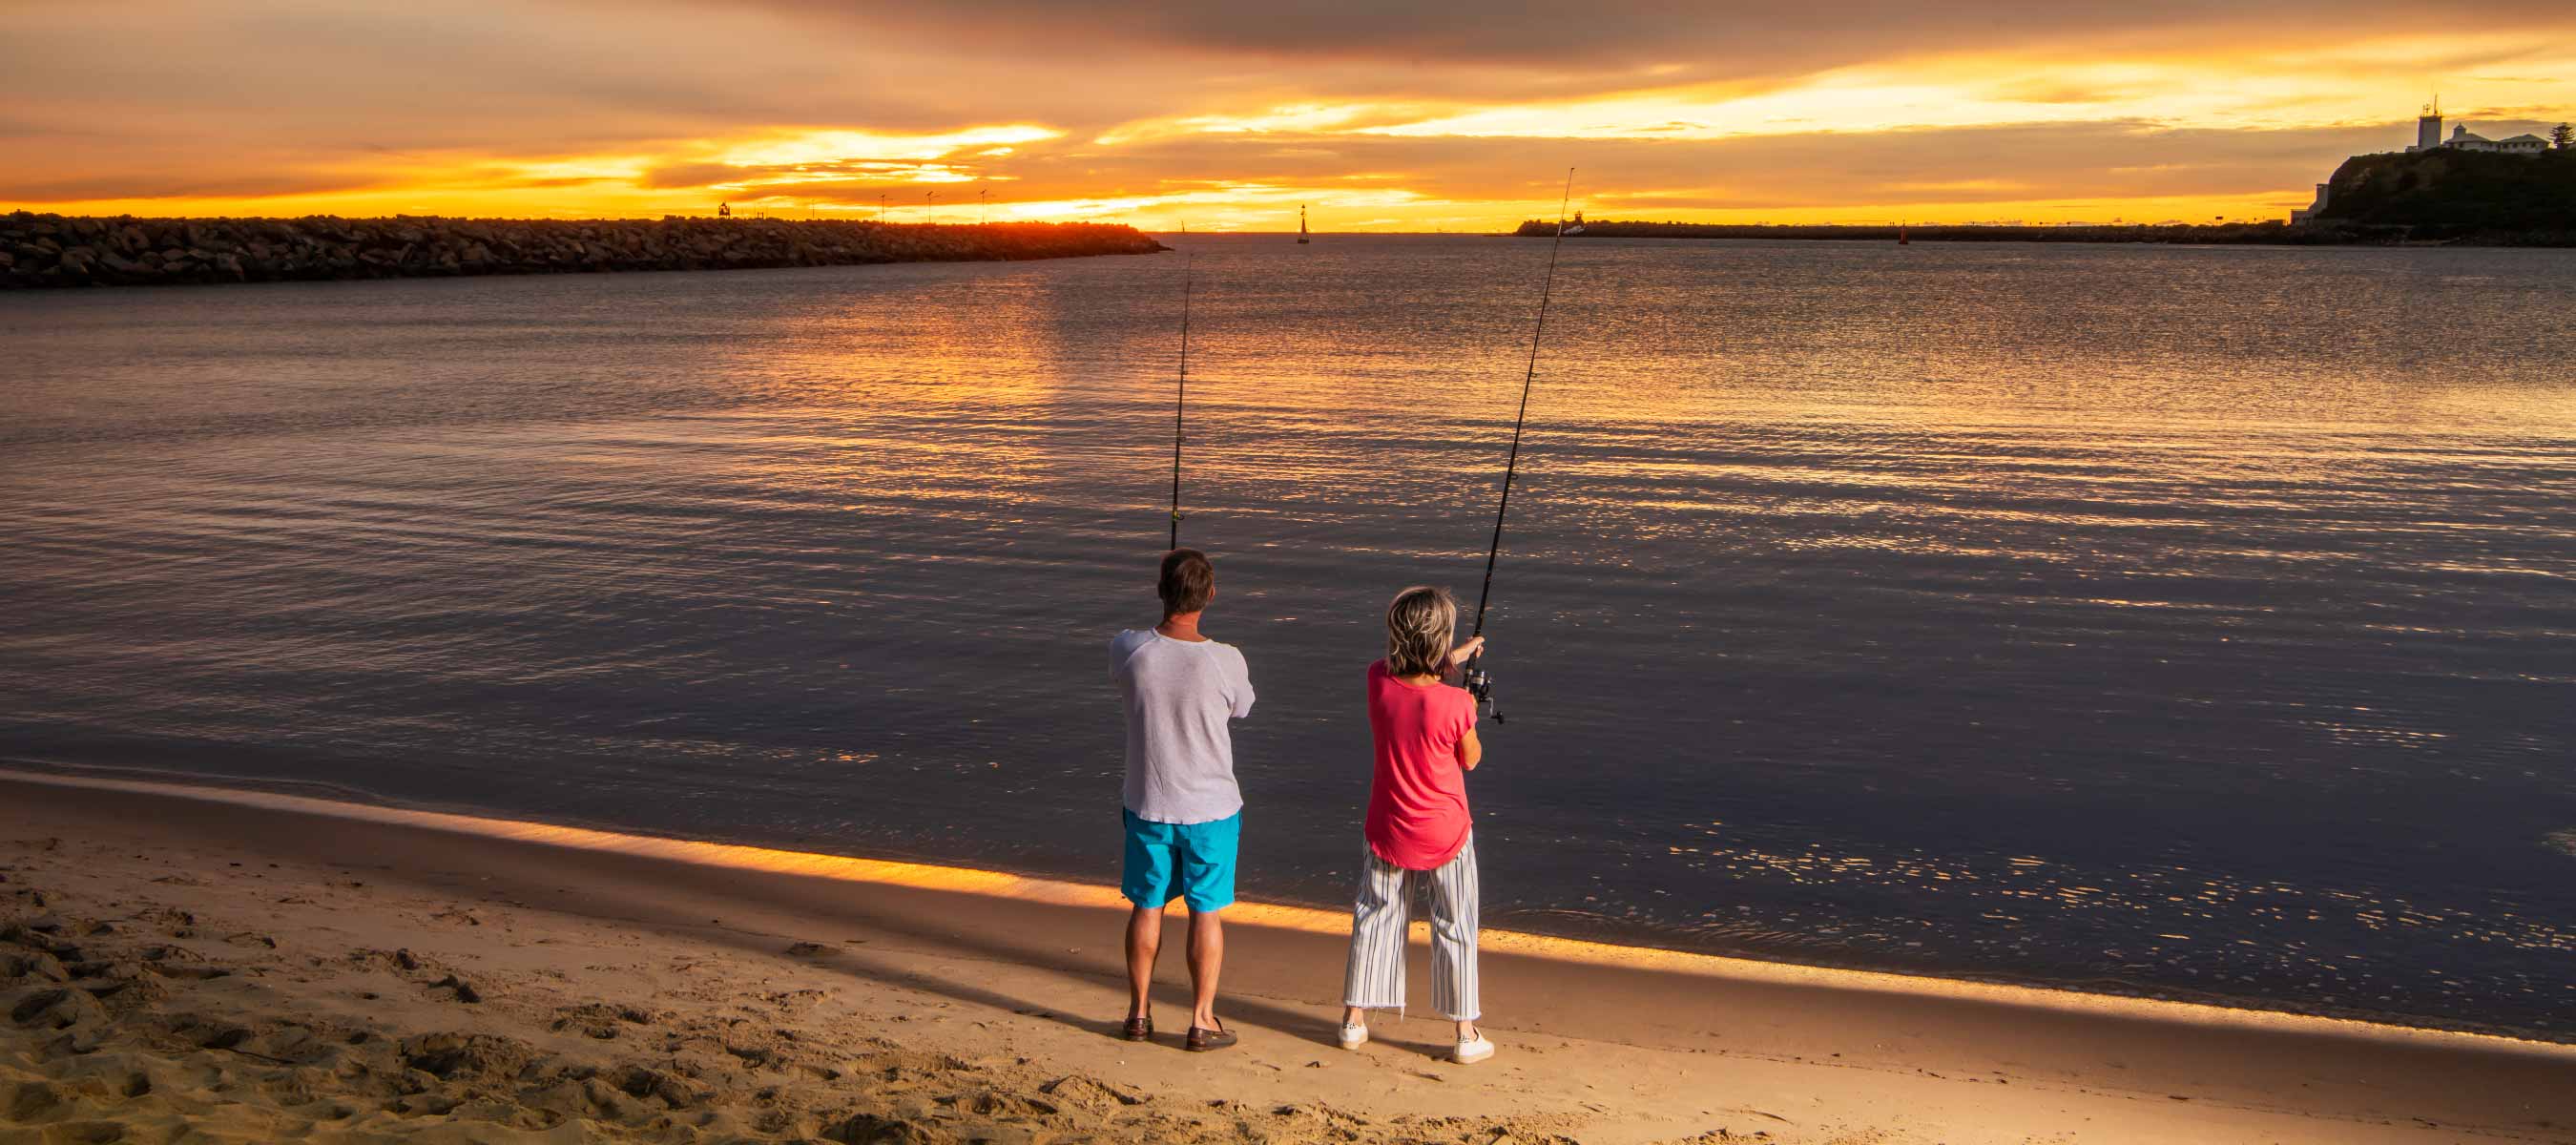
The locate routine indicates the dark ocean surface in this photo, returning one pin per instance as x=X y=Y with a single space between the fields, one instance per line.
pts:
x=2189 y=621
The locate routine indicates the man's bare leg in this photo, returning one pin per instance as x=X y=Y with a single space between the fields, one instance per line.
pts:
x=1207 y=958
x=1144 y=941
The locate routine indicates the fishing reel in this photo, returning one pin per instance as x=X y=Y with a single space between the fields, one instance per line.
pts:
x=1480 y=684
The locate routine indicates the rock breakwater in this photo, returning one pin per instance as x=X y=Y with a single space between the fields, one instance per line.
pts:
x=59 y=251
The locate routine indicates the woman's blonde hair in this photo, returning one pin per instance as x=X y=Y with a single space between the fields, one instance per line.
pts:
x=1420 y=625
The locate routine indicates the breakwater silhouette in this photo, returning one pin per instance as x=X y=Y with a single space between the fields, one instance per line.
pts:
x=61 y=251
x=2436 y=230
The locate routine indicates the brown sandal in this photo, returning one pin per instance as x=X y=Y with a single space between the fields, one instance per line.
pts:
x=1140 y=1029
x=1202 y=1040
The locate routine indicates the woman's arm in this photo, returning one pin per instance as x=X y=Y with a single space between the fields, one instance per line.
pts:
x=1471 y=751
x=1455 y=665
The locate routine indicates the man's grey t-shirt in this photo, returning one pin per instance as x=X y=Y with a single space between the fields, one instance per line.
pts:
x=1179 y=693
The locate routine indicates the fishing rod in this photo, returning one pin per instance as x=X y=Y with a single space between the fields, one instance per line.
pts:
x=1479 y=682
x=1181 y=391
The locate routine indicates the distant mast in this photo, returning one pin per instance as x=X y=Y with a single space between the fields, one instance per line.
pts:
x=1301 y=225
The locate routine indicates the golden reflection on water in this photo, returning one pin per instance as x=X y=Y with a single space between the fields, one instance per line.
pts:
x=1904 y=561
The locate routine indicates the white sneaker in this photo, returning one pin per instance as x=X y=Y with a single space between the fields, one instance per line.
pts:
x=1474 y=1050
x=1353 y=1037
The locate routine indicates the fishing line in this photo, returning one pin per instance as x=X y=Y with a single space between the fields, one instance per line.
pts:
x=1477 y=680
x=1181 y=391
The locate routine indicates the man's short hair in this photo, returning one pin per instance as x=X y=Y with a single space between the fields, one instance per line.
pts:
x=1188 y=581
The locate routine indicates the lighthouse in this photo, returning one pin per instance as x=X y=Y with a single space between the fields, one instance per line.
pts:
x=2428 y=127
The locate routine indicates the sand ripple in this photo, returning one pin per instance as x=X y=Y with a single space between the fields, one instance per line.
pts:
x=157 y=1025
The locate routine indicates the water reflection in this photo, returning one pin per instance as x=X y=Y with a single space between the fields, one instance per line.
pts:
x=2087 y=613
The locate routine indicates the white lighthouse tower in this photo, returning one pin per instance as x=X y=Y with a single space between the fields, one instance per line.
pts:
x=2428 y=127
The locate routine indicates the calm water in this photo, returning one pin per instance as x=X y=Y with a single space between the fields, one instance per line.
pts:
x=2195 y=621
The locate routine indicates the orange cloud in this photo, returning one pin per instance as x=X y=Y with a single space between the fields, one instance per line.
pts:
x=1231 y=115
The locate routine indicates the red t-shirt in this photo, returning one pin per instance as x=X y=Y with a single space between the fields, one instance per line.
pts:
x=1417 y=812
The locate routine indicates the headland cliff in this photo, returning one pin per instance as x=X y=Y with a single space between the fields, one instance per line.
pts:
x=2454 y=196
x=60 y=251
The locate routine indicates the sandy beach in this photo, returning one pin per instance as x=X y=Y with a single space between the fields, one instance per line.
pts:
x=222 y=967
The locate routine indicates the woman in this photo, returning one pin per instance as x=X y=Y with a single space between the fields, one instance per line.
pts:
x=1418 y=829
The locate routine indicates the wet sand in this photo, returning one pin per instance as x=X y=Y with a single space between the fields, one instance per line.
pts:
x=255 y=969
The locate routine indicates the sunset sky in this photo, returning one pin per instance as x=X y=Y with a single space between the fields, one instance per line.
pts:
x=1227 y=114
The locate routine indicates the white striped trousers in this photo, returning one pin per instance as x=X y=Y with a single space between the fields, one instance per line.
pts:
x=1382 y=913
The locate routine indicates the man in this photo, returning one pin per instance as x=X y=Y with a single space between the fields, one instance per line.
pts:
x=1184 y=812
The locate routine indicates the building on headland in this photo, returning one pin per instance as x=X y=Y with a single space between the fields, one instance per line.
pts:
x=2523 y=144
x=2310 y=211
x=2428 y=137
x=2428 y=127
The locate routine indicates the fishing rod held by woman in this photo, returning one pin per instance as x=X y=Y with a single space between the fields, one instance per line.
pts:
x=1478 y=684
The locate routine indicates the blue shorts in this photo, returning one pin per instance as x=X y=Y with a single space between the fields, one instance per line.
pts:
x=1193 y=862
